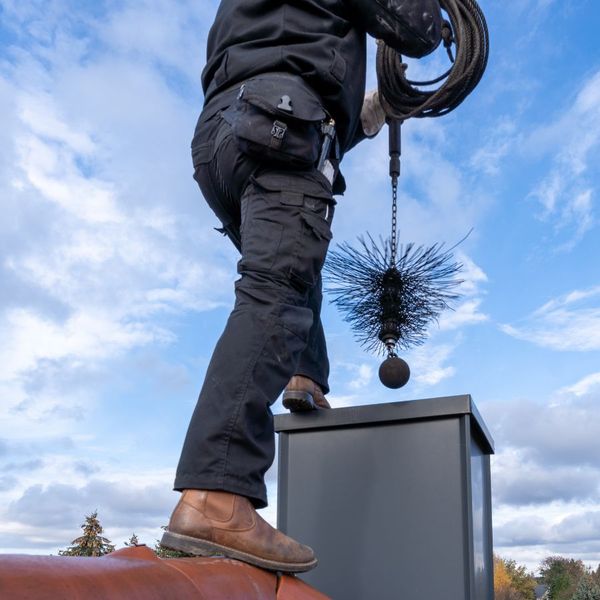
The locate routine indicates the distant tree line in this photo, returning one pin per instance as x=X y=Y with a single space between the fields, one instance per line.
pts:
x=565 y=579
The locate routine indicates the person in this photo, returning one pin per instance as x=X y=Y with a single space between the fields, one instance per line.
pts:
x=284 y=89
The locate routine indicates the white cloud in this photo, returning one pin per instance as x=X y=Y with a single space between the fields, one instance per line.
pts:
x=139 y=30
x=570 y=322
x=83 y=337
x=500 y=142
x=519 y=481
x=549 y=191
x=466 y=313
x=58 y=504
x=109 y=258
x=545 y=475
x=574 y=533
x=579 y=209
x=38 y=113
x=583 y=386
x=582 y=527
x=436 y=200
x=51 y=171
x=364 y=375
x=472 y=276
x=562 y=431
x=105 y=244
x=566 y=193
x=47 y=517
x=429 y=363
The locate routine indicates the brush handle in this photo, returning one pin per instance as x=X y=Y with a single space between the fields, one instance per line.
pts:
x=395 y=147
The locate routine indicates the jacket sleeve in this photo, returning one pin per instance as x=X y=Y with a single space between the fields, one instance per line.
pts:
x=359 y=136
x=413 y=27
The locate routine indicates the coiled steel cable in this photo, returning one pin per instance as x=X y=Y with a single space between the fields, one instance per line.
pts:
x=467 y=31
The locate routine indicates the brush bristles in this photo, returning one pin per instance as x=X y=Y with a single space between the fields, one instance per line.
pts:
x=371 y=292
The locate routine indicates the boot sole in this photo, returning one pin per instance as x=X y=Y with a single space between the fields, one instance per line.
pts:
x=298 y=401
x=199 y=547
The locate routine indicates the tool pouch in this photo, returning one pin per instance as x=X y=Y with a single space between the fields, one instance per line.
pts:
x=277 y=118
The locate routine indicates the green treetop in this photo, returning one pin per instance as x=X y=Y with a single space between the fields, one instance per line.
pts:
x=561 y=575
x=511 y=581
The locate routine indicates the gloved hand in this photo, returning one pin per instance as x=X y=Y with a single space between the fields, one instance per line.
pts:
x=372 y=115
x=413 y=27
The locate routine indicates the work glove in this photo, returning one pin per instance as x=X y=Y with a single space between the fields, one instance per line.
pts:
x=372 y=115
x=413 y=27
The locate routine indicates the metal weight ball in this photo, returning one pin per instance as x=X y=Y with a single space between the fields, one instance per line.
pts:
x=394 y=372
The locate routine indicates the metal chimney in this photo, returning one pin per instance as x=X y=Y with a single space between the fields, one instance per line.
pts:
x=394 y=498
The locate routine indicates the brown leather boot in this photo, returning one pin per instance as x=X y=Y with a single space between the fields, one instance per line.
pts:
x=210 y=522
x=302 y=393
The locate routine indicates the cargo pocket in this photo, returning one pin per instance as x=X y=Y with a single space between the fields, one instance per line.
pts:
x=261 y=233
x=260 y=245
x=311 y=250
x=292 y=216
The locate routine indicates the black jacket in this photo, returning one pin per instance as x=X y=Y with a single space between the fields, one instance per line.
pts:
x=322 y=41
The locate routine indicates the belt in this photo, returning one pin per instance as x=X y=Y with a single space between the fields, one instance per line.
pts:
x=224 y=98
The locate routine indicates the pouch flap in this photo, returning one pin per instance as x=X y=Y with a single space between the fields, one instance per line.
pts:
x=279 y=182
x=318 y=225
x=285 y=97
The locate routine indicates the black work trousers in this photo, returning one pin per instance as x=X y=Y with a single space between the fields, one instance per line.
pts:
x=280 y=221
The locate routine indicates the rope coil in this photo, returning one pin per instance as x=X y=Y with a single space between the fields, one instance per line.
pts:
x=402 y=98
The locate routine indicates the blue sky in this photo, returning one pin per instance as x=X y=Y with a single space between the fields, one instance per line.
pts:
x=115 y=286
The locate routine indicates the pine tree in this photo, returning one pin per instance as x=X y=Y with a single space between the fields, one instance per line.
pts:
x=91 y=543
x=595 y=575
x=587 y=589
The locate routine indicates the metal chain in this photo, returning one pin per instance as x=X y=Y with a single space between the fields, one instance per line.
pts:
x=394 y=220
